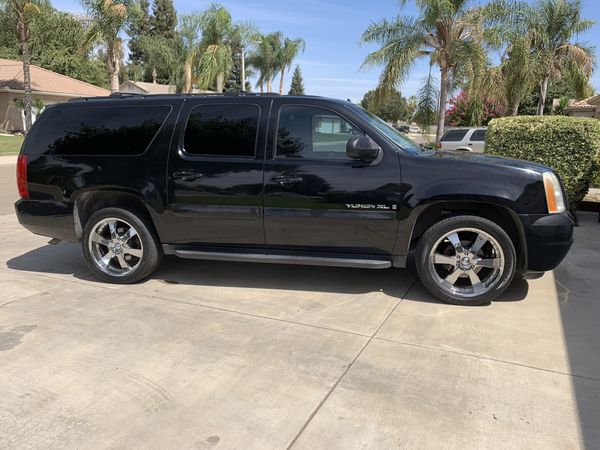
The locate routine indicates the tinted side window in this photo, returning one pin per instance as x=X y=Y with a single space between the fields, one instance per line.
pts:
x=312 y=132
x=478 y=135
x=453 y=135
x=222 y=130
x=100 y=130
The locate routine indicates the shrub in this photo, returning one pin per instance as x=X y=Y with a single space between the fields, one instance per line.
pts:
x=569 y=145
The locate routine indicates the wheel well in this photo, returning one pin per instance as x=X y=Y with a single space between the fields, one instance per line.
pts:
x=500 y=215
x=90 y=202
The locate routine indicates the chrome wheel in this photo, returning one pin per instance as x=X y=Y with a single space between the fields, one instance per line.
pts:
x=466 y=262
x=115 y=247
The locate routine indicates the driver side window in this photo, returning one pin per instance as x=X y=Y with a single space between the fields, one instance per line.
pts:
x=312 y=133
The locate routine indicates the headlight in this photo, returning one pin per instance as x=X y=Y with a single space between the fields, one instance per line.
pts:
x=554 y=195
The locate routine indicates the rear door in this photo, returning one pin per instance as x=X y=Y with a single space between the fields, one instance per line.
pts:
x=215 y=172
x=316 y=198
x=477 y=140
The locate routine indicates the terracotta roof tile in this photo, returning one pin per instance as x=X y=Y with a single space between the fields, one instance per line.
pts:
x=43 y=80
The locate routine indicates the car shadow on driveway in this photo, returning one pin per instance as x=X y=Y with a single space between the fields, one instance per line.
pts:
x=67 y=259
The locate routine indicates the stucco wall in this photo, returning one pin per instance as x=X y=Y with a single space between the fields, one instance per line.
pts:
x=10 y=115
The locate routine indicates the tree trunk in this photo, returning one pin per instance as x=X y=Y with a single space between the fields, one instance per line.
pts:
x=220 y=82
x=543 y=93
x=113 y=63
x=268 y=85
x=262 y=87
x=281 y=81
x=188 y=77
x=243 y=69
x=442 y=104
x=27 y=82
x=515 y=109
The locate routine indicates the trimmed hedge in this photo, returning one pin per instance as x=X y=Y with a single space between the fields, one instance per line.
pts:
x=569 y=145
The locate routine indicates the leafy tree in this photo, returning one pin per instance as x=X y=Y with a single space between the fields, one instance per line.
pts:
x=138 y=28
x=244 y=35
x=216 y=59
x=460 y=114
x=55 y=38
x=108 y=20
x=297 y=87
x=553 y=24
x=19 y=14
x=287 y=50
x=164 y=19
x=450 y=33
x=264 y=59
x=393 y=108
x=427 y=102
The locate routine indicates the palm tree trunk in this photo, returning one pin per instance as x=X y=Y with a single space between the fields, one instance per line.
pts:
x=543 y=93
x=515 y=109
x=187 y=69
x=441 y=118
x=262 y=87
x=220 y=82
x=113 y=64
x=268 y=85
x=281 y=81
x=243 y=54
x=27 y=82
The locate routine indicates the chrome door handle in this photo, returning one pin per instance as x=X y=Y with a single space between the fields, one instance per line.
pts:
x=286 y=179
x=187 y=175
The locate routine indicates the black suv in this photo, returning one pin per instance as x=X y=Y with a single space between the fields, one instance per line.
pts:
x=292 y=180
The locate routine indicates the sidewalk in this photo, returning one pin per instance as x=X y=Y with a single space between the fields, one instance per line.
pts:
x=8 y=159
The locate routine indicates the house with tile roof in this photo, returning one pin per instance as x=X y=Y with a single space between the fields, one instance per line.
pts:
x=145 y=88
x=590 y=107
x=47 y=86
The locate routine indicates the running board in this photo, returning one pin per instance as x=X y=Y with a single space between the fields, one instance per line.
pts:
x=284 y=259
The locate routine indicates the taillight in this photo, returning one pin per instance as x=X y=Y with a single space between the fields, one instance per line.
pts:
x=439 y=145
x=22 y=176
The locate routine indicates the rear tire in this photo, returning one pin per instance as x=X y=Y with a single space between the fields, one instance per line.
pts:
x=466 y=260
x=120 y=246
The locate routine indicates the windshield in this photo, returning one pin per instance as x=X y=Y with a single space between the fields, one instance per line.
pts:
x=391 y=133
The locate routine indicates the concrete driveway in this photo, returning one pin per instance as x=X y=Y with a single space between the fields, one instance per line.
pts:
x=225 y=355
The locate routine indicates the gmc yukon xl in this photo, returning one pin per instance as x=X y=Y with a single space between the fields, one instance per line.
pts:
x=291 y=180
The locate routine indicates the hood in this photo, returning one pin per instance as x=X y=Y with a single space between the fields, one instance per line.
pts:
x=480 y=158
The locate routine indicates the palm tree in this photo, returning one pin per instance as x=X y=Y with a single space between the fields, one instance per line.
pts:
x=108 y=20
x=19 y=13
x=244 y=35
x=447 y=32
x=264 y=59
x=216 y=57
x=553 y=24
x=288 y=49
x=189 y=31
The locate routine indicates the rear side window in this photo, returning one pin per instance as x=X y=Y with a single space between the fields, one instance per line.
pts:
x=222 y=130
x=453 y=135
x=100 y=130
x=478 y=135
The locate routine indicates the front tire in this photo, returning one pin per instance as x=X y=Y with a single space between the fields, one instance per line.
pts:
x=120 y=246
x=466 y=260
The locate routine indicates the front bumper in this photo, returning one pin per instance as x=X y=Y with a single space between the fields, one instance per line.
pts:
x=47 y=218
x=548 y=237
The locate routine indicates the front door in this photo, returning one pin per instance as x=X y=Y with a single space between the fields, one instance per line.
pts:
x=215 y=173
x=318 y=199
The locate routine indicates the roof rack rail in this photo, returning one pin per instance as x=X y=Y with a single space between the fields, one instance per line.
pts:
x=125 y=94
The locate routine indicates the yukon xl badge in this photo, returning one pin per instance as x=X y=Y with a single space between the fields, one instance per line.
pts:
x=369 y=206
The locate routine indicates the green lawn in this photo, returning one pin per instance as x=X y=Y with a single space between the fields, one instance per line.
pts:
x=10 y=145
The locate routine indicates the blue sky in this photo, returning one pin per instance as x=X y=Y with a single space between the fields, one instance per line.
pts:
x=332 y=28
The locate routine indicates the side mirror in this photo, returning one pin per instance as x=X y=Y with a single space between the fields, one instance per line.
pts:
x=362 y=148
